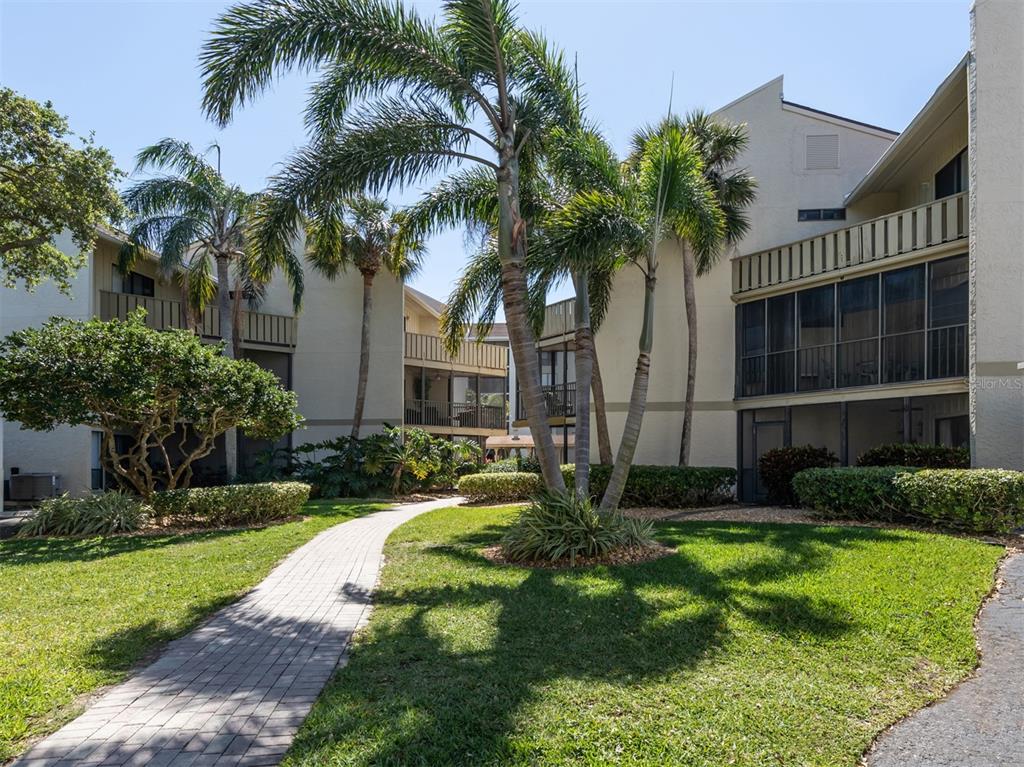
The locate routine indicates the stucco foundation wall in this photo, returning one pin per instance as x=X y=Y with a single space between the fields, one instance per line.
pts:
x=996 y=120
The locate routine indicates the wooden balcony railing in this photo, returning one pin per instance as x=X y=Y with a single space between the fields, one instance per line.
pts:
x=559 y=400
x=896 y=234
x=455 y=415
x=424 y=348
x=163 y=314
x=559 y=318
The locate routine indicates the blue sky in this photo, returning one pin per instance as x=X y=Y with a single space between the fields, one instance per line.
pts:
x=128 y=71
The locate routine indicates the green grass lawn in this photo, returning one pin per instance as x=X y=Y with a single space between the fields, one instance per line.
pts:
x=75 y=614
x=753 y=645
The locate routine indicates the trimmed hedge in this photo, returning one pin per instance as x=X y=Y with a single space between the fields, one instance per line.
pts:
x=232 y=504
x=852 y=491
x=663 y=487
x=979 y=500
x=507 y=466
x=915 y=454
x=500 y=487
x=778 y=467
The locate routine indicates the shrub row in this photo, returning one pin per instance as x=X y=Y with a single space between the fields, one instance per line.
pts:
x=232 y=504
x=663 y=487
x=916 y=454
x=500 y=487
x=977 y=500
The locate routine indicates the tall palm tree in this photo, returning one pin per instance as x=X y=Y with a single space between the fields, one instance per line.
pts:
x=720 y=145
x=402 y=99
x=360 y=232
x=662 y=195
x=196 y=224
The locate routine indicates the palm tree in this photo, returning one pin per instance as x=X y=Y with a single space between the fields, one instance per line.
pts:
x=662 y=195
x=720 y=145
x=402 y=99
x=196 y=223
x=361 y=232
x=575 y=161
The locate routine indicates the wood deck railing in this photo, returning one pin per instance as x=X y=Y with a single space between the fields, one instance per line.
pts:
x=424 y=348
x=896 y=234
x=454 y=415
x=559 y=318
x=258 y=328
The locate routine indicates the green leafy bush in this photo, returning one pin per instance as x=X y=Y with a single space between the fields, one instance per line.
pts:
x=232 y=504
x=856 y=492
x=915 y=454
x=562 y=526
x=102 y=514
x=979 y=500
x=500 y=488
x=663 y=487
x=778 y=467
x=530 y=463
x=507 y=466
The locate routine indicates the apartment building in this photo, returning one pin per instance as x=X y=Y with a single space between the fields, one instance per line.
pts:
x=876 y=297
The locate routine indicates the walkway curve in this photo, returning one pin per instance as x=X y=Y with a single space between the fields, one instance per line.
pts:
x=235 y=690
x=981 y=723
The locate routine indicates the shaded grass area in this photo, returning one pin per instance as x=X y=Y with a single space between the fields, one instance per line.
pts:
x=753 y=645
x=76 y=614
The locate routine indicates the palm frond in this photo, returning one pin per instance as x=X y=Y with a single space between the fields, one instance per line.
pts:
x=475 y=298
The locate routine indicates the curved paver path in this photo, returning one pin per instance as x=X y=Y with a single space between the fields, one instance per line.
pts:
x=981 y=723
x=236 y=689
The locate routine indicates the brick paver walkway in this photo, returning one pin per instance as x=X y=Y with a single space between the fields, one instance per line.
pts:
x=235 y=690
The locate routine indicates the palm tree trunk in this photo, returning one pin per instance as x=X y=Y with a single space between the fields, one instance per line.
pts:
x=364 y=355
x=690 y=301
x=637 y=405
x=236 y=320
x=584 y=359
x=512 y=251
x=604 y=441
x=227 y=334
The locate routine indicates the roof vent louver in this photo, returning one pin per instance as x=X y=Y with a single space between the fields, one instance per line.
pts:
x=822 y=152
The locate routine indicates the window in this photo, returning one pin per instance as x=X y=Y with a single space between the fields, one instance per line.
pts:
x=903 y=298
x=781 y=370
x=821 y=214
x=858 y=332
x=750 y=321
x=948 y=285
x=816 y=337
x=822 y=152
x=138 y=284
x=952 y=177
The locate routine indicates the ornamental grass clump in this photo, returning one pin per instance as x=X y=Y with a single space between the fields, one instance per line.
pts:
x=559 y=527
x=103 y=514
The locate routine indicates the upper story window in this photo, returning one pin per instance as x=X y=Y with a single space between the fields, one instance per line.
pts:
x=897 y=326
x=136 y=284
x=821 y=214
x=952 y=177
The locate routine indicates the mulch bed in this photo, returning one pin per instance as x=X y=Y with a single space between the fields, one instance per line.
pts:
x=630 y=556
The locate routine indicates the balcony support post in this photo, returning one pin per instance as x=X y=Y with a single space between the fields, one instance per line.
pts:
x=844 y=445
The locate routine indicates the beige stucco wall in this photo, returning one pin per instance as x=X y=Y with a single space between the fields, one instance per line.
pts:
x=996 y=106
x=776 y=159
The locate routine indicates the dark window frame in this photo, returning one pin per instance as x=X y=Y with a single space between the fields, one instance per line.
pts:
x=821 y=214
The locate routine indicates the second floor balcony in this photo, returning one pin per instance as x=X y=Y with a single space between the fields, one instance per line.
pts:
x=868 y=242
x=259 y=329
x=472 y=357
x=559 y=401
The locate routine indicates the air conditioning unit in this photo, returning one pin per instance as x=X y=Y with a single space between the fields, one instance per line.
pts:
x=34 y=487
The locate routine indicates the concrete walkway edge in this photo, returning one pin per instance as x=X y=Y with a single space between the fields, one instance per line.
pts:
x=235 y=690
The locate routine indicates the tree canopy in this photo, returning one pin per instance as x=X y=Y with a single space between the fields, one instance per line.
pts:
x=47 y=186
x=123 y=378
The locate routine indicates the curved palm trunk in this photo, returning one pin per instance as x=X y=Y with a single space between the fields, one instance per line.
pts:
x=690 y=301
x=604 y=441
x=637 y=405
x=227 y=333
x=584 y=360
x=364 y=354
x=512 y=251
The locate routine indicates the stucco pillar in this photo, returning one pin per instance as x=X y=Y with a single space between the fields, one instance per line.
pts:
x=996 y=158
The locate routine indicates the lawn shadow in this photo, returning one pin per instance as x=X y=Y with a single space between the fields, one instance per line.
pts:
x=431 y=684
